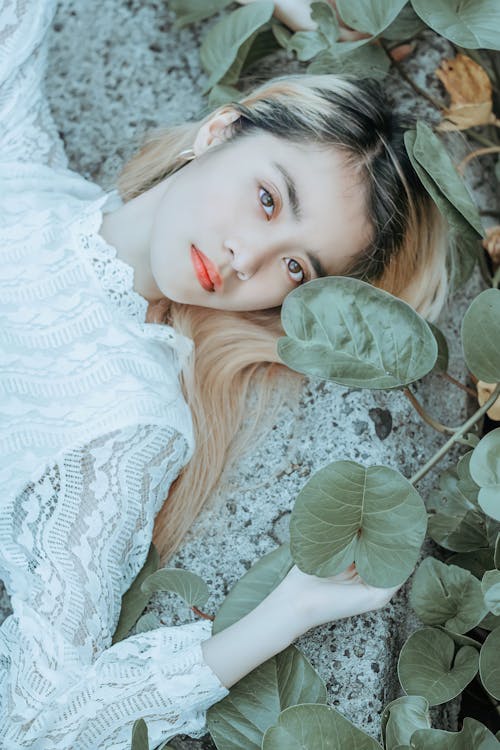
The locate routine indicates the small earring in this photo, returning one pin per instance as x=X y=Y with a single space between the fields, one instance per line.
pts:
x=188 y=154
x=242 y=276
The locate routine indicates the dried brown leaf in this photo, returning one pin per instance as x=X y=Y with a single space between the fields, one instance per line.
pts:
x=484 y=391
x=469 y=88
x=491 y=243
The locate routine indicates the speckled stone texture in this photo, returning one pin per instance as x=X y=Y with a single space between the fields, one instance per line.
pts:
x=118 y=68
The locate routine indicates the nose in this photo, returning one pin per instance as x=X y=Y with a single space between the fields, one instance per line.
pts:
x=246 y=260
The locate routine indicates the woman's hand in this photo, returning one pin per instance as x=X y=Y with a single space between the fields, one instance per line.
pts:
x=297 y=604
x=296 y=14
x=321 y=600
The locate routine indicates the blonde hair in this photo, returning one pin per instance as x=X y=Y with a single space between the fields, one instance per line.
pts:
x=405 y=256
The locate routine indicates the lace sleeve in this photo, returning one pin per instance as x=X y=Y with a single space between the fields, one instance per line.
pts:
x=73 y=545
x=27 y=130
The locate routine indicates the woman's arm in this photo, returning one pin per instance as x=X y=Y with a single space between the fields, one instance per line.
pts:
x=70 y=545
x=299 y=603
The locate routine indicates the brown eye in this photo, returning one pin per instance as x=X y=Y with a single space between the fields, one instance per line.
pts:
x=295 y=269
x=267 y=201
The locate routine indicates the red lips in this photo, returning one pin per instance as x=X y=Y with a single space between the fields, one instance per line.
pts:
x=206 y=271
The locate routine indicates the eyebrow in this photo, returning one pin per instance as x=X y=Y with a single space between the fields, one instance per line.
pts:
x=297 y=212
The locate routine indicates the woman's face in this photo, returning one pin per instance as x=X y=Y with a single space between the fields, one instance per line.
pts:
x=243 y=224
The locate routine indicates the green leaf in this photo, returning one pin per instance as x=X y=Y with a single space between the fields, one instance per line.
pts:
x=345 y=330
x=473 y=736
x=405 y=26
x=187 y=585
x=489 y=500
x=135 y=600
x=490 y=622
x=324 y=16
x=307 y=44
x=477 y=562
x=457 y=524
x=401 y=718
x=496 y=559
x=490 y=586
x=281 y=33
x=370 y=60
x=346 y=513
x=225 y=42
x=463 y=238
x=459 y=639
x=428 y=666
x=253 y=587
x=485 y=460
x=489 y=663
x=318 y=727
x=140 y=738
x=239 y=721
x=443 y=353
x=480 y=336
x=469 y=24
x=191 y=11
x=147 y=622
x=263 y=45
x=431 y=154
x=447 y=595
x=370 y=16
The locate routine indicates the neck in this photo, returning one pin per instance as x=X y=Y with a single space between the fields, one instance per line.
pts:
x=128 y=230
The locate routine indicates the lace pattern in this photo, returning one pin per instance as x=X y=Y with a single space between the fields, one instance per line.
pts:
x=77 y=539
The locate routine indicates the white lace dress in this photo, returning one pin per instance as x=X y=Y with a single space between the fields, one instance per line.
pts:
x=93 y=430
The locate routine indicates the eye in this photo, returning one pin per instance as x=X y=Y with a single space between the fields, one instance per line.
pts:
x=267 y=201
x=295 y=270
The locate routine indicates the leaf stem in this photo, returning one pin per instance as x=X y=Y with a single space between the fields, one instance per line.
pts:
x=425 y=416
x=451 y=379
x=454 y=438
x=475 y=154
x=202 y=614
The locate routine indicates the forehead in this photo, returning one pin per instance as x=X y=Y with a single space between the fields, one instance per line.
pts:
x=327 y=197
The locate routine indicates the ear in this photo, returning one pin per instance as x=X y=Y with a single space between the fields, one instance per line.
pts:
x=215 y=130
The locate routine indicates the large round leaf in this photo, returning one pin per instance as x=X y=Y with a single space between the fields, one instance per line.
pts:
x=490 y=586
x=346 y=513
x=230 y=39
x=457 y=523
x=485 y=470
x=405 y=26
x=253 y=587
x=481 y=334
x=469 y=23
x=318 y=727
x=428 y=666
x=187 y=585
x=489 y=663
x=401 y=718
x=463 y=238
x=345 y=330
x=473 y=736
x=447 y=595
x=135 y=600
x=429 y=151
x=239 y=721
x=370 y=16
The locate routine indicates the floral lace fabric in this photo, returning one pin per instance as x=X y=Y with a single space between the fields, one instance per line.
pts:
x=93 y=430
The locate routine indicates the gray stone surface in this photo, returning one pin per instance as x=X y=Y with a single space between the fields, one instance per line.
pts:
x=118 y=68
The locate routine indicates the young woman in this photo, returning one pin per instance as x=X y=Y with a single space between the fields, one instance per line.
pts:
x=101 y=298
